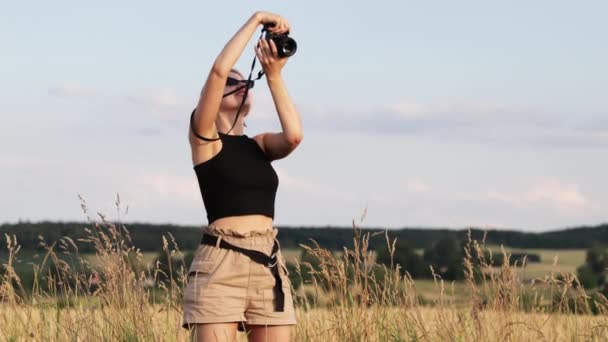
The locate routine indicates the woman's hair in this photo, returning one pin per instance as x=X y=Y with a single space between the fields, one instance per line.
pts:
x=237 y=72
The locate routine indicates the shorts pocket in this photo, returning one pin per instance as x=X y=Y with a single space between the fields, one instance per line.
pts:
x=206 y=260
x=203 y=266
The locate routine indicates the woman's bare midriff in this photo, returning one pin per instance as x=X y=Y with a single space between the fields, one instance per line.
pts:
x=244 y=223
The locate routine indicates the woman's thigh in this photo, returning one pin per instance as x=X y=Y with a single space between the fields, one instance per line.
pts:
x=269 y=333
x=212 y=332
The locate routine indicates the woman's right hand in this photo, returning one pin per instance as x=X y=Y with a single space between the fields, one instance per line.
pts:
x=281 y=25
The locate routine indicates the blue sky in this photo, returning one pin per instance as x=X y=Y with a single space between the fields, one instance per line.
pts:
x=434 y=114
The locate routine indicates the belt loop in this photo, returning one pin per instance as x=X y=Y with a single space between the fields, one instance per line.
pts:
x=278 y=243
x=217 y=243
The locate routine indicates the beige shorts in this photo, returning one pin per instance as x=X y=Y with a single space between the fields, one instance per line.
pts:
x=227 y=286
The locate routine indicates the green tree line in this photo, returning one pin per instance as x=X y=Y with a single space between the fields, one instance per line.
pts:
x=148 y=237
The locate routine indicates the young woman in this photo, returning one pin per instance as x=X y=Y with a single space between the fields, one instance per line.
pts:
x=238 y=278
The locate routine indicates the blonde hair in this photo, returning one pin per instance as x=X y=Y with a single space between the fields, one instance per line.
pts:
x=237 y=72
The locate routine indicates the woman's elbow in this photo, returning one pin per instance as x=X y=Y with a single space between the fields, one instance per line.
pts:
x=294 y=140
x=220 y=70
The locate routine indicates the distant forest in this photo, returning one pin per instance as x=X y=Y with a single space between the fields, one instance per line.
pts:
x=148 y=237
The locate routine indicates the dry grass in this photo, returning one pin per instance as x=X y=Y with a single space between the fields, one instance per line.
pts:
x=551 y=260
x=350 y=298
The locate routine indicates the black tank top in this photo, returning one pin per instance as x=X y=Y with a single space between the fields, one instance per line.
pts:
x=239 y=180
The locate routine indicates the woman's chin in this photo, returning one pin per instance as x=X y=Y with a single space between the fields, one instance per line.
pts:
x=234 y=107
x=246 y=106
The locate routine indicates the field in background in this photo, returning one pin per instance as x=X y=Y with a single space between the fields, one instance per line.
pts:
x=114 y=295
x=551 y=260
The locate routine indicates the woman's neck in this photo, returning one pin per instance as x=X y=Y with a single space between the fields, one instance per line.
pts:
x=224 y=122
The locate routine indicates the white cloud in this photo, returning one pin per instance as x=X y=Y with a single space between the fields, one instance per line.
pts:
x=20 y=161
x=166 y=186
x=303 y=185
x=72 y=90
x=150 y=97
x=600 y=136
x=411 y=109
x=440 y=113
x=461 y=121
x=470 y=122
x=564 y=198
x=502 y=197
x=164 y=102
x=156 y=97
x=417 y=186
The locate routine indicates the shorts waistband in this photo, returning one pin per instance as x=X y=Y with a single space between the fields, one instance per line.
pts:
x=262 y=238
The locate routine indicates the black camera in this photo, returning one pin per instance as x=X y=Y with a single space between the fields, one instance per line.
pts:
x=286 y=46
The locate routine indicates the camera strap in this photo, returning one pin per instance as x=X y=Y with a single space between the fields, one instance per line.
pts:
x=246 y=86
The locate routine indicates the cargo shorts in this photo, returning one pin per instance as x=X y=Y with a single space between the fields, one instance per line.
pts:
x=227 y=286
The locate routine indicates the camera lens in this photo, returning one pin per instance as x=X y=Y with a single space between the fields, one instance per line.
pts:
x=288 y=47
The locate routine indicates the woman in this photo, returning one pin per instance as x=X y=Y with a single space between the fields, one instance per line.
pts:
x=238 y=278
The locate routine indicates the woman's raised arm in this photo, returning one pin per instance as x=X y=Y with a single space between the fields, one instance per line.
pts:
x=281 y=144
x=211 y=95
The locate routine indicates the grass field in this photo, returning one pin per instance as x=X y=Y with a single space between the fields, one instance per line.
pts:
x=353 y=324
x=348 y=300
x=552 y=260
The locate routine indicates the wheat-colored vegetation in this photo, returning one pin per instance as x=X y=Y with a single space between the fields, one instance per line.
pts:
x=114 y=295
x=561 y=260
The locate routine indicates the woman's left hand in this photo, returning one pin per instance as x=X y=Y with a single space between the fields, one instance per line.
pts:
x=266 y=50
